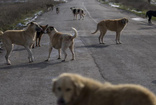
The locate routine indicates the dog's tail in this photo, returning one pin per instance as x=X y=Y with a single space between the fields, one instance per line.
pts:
x=96 y=29
x=75 y=35
x=1 y=33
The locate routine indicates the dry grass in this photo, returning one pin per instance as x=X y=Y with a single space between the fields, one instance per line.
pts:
x=12 y=13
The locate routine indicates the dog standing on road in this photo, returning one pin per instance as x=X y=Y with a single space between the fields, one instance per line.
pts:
x=116 y=25
x=49 y=6
x=73 y=89
x=57 y=10
x=149 y=14
x=39 y=35
x=24 y=38
x=77 y=11
x=61 y=41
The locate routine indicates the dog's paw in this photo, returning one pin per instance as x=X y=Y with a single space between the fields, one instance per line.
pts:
x=9 y=63
x=47 y=60
x=63 y=60
x=30 y=61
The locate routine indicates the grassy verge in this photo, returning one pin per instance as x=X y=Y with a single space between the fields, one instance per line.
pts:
x=137 y=8
x=13 y=13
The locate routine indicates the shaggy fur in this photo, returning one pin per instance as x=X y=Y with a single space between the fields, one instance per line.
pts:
x=73 y=89
x=61 y=41
x=24 y=38
x=149 y=14
x=116 y=25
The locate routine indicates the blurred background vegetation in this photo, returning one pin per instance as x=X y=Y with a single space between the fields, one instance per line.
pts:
x=15 y=11
x=140 y=5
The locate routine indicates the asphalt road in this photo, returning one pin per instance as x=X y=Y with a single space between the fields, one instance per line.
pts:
x=133 y=61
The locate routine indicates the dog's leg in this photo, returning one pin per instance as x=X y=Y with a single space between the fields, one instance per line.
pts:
x=59 y=52
x=149 y=19
x=50 y=50
x=39 y=42
x=30 y=55
x=76 y=16
x=118 y=38
x=103 y=34
x=36 y=42
x=64 y=47
x=65 y=55
x=100 y=37
x=9 y=49
x=72 y=51
x=80 y=16
x=83 y=17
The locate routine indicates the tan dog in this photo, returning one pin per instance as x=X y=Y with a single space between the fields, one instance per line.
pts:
x=60 y=41
x=24 y=38
x=116 y=25
x=73 y=89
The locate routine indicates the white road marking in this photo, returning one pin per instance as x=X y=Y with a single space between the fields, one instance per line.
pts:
x=89 y=13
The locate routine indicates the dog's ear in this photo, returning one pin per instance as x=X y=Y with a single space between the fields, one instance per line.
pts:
x=51 y=28
x=54 y=85
x=78 y=87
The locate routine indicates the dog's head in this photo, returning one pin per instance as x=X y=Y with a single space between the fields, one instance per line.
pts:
x=35 y=26
x=50 y=29
x=66 y=88
x=124 y=21
x=72 y=8
x=44 y=27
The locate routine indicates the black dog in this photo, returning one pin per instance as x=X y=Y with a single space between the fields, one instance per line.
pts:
x=149 y=14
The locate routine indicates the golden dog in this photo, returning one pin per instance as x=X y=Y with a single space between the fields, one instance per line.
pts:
x=61 y=41
x=73 y=89
x=24 y=38
x=116 y=25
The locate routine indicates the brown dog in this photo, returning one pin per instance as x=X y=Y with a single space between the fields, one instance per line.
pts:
x=24 y=38
x=60 y=41
x=73 y=89
x=39 y=35
x=116 y=25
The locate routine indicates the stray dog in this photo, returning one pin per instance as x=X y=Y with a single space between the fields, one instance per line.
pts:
x=77 y=11
x=0 y=41
x=49 y=6
x=61 y=41
x=39 y=35
x=57 y=10
x=116 y=25
x=24 y=38
x=149 y=14
x=73 y=89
